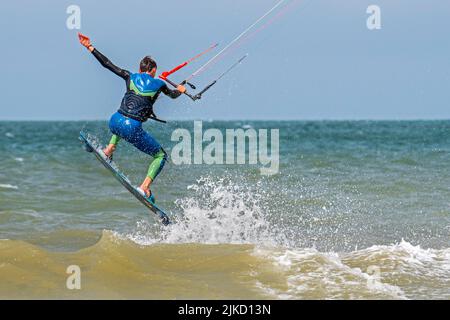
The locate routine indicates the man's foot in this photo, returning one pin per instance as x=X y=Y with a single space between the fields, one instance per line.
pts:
x=147 y=194
x=109 y=150
x=145 y=187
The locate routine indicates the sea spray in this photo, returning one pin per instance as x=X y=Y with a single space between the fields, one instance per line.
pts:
x=216 y=211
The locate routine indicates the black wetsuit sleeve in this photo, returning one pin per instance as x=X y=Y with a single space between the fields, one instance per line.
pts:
x=105 y=62
x=171 y=93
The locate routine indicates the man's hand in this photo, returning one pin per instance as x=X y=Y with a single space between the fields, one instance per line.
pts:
x=85 y=41
x=181 y=88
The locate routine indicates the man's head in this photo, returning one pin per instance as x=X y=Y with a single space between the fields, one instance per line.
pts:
x=148 y=65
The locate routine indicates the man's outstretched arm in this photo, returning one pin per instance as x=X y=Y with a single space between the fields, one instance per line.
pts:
x=104 y=61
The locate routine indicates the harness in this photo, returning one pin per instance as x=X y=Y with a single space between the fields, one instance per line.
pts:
x=142 y=92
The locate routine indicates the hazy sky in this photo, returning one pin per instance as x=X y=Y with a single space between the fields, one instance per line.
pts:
x=318 y=61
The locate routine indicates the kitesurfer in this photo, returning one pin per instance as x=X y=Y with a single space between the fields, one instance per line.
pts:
x=142 y=90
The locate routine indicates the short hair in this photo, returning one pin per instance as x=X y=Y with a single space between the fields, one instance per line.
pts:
x=147 y=64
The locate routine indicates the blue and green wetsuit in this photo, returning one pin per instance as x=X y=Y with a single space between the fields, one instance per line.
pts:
x=136 y=108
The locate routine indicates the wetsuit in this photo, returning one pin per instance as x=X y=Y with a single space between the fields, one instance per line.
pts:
x=142 y=90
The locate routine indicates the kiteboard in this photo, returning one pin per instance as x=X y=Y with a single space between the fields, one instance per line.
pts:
x=91 y=145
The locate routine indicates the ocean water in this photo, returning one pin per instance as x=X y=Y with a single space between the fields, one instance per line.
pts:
x=359 y=210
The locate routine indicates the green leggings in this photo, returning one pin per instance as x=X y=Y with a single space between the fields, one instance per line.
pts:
x=159 y=159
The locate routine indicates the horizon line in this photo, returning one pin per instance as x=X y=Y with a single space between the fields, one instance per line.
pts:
x=248 y=119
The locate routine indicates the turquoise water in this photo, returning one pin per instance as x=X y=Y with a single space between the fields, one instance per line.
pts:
x=346 y=188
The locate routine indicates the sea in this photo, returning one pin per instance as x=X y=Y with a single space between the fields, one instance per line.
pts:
x=357 y=210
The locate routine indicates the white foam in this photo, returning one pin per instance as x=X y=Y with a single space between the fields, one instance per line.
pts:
x=412 y=259
x=8 y=186
x=310 y=273
x=398 y=271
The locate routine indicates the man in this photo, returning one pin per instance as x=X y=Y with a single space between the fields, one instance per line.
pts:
x=137 y=107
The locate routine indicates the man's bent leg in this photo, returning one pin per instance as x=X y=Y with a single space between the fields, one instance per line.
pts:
x=146 y=143
x=153 y=170
x=114 y=139
x=159 y=160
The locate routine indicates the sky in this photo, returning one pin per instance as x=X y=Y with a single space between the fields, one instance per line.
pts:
x=316 y=61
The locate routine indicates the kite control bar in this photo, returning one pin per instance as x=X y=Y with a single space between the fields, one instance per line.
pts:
x=165 y=74
x=198 y=96
x=173 y=84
